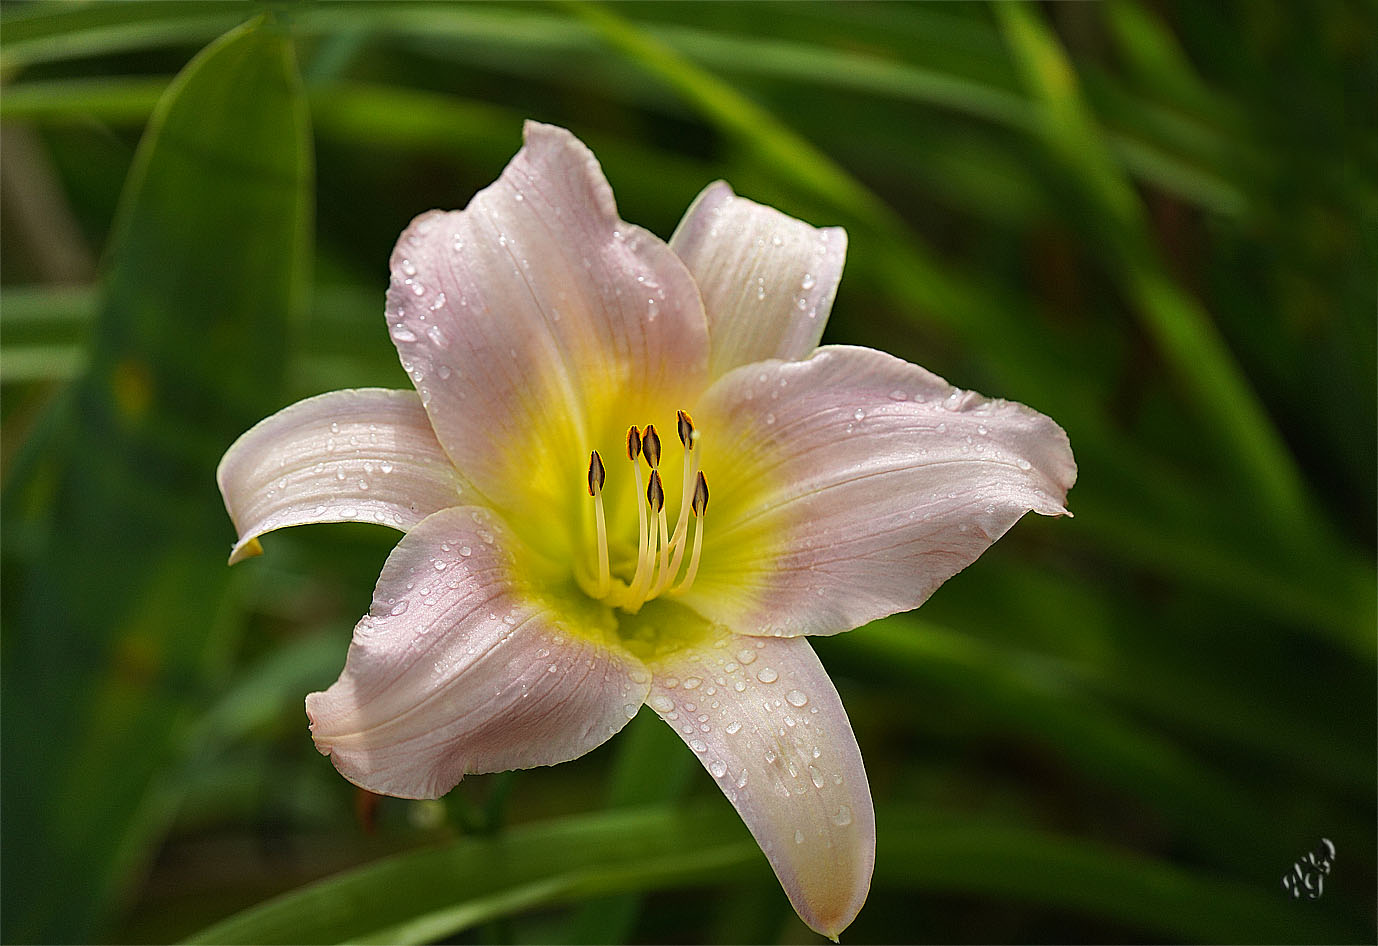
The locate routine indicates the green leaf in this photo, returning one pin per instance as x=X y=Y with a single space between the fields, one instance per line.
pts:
x=434 y=893
x=122 y=594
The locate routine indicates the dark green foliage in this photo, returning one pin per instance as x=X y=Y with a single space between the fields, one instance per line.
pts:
x=1154 y=222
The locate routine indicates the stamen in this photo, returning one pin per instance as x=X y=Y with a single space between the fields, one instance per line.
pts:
x=700 y=506
x=645 y=579
x=678 y=538
x=655 y=495
x=643 y=560
x=686 y=427
x=650 y=444
x=597 y=476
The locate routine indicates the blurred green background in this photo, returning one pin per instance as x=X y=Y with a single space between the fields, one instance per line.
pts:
x=1152 y=220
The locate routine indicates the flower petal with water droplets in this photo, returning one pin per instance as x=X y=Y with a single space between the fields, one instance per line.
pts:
x=365 y=455
x=533 y=316
x=850 y=486
x=774 y=736
x=767 y=279
x=463 y=667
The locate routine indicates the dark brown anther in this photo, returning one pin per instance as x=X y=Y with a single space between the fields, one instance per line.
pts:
x=655 y=493
x=650 y=445
x=686 y=429
x=633 y=443
x=596 y=474
x=700 y=496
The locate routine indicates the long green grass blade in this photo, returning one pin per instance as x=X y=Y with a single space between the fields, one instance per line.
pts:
x=435 y=893
x=123 y=596
x=1187 y=337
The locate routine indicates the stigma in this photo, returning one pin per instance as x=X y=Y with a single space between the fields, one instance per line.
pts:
x=659 y=567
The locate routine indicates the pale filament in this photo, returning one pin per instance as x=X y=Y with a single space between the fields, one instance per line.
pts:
x=660 y=549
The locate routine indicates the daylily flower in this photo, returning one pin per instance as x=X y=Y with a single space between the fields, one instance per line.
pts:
x=582 y=390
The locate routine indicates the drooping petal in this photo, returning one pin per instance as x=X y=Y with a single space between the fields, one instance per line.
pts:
x=850 y=486
x=464 y=664
x=535 y=318
x=765 y=721
x=767 y=279
x=365 y=455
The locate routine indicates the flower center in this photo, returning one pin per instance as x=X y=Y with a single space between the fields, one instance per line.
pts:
x=659 y=549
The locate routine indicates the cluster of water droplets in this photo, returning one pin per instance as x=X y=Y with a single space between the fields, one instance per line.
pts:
x=746 y=716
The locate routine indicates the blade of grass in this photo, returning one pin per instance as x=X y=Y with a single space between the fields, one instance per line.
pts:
x=208 y=262
x=1183 y=331
x=435 y=893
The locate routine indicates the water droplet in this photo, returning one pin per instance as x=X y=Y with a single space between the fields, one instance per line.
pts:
x=770 y=418
x=808 y=282
x=698 y=745
x=385 y=466
x=859 y=414
x=898 y=395
x=1024 y=464
x=842 y=817
x=767 y=675
x=408 y=267
x=816 y=776
x=692 y=683
x=630 y=709
x=465 y=551
x=798 y=836
x=443 y=371
x=519 y=197
x=661 y=703
x=796 y=698
x=718 y=767
x=733 y=728
x=398 y=608
x=671 y=682
x=440 y=566
x=746 y=655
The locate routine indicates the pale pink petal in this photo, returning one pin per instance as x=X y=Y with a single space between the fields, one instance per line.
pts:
x=537 y=325
x=464 y=664
x=366 y=455
x=767 y=279
x=850 y=486
x=765 y=721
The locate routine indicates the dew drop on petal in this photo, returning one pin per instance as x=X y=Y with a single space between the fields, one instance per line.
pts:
x=630 y=709
x=733 y=728
x=816 y=776
x=692 y=683
x=661 y=703
x=798 y=836
x=796 y=698
x=746 y=655
x=767 y=675
x=808 y=282
x=718 y=768
x=698 y=745
x=842 y=817
x=398 y=608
